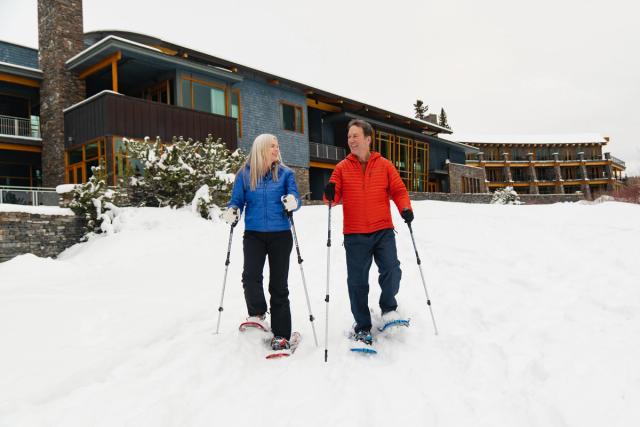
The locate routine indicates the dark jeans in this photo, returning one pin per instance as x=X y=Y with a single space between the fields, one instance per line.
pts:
x=361 y=249
x=257 y=246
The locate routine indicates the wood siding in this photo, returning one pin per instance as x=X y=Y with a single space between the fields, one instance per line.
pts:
x=112 y=114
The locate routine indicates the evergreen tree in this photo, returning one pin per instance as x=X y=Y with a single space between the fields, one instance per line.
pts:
x=420 y=109
x=94 y=202
x=443 y=119
x=505 y=196
x=173 y=173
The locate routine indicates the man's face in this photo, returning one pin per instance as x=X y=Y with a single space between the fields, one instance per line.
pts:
x=358 y=143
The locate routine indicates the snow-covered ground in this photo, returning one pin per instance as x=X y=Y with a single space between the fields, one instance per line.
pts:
x=538 y=309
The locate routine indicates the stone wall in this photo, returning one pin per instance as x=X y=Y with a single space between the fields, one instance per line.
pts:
x=302 y=180
x=529 y=199
x=60 y=36
x=458 y=172
x=39 y=234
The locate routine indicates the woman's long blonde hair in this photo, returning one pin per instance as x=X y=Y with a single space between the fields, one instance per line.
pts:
x=258 y=160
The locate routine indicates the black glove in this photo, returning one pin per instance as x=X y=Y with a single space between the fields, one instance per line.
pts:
x=407 y=215
x=330 y=191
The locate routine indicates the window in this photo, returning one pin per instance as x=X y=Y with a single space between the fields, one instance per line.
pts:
x=568 y=173
x=160 y=92
x=235 y=110
x=204 y=96
x=292 y=118
x=81 y=159
x=470 y=184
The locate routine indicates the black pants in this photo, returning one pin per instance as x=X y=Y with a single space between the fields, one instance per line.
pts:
x=277 y=245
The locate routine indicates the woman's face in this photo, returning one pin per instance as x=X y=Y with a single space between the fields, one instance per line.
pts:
x=274 y=151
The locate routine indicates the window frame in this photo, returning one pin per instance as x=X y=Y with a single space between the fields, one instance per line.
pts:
x=296 y=108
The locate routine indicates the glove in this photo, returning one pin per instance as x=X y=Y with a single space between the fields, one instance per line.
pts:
x=407 y=215
x=290 y=202
x=231 y=216
x=330 y=191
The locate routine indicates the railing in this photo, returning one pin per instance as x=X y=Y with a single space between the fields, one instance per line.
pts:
x=618 y=161
x=17 y=126
x=35 y=196
x=324 y=151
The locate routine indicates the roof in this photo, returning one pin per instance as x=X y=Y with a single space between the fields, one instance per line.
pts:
x=19 y=55
x=19 y=70
x=192 y=56
x=524 y=139
x=112 y=44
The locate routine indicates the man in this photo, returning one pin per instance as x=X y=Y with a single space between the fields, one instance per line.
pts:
x=364 y=181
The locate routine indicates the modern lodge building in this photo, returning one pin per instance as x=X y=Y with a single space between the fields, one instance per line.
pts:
x=545 y=164
x=68 y=106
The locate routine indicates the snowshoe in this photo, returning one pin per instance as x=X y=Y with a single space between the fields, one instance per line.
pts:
x=281 y=347
x=362 y=342
x=258 y=322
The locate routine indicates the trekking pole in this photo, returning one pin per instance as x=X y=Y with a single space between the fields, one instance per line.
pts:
x=422 y=275
x=304 y=282
x=326 y=299
x=226 y=268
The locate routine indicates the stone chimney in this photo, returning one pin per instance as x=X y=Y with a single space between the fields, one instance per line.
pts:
x=60 y=36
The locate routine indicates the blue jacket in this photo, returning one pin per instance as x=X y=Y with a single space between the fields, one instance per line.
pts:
x=264 y=210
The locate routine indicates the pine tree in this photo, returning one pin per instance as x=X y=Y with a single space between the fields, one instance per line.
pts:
x=505 y=196
x=173 y=173
x=443 y=119
x=94 y=201
x=420 y=109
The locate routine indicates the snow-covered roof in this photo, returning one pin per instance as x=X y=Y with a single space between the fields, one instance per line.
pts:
x=577 y=138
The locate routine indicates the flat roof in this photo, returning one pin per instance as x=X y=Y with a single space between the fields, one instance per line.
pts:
x=524 y=139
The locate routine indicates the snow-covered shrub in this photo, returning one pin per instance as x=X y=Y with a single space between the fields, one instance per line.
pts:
x=96 y=202
x=505 y=196
x=172 y=173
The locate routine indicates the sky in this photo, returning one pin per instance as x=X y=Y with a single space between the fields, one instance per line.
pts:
x=496 y=66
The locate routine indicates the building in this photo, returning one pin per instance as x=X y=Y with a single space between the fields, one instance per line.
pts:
x=545 y=164
x=67 y=107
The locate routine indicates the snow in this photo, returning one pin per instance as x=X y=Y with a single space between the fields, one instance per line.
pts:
x=538 y=312
x=65 y=188
x=43 y=210
x=577 y=138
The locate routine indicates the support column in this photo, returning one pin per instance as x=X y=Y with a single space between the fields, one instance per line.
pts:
x=558 y=173
x=608 y=170
x=533 y=179
x=584 y=186
x=507 y=169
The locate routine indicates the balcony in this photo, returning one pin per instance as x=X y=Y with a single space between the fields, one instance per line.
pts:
x=110 y=113
x=20 y=127
x=618 y=162
x=326 y=152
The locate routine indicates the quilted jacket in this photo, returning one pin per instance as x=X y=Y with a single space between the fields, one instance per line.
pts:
x=365 y=194
x=263 y=210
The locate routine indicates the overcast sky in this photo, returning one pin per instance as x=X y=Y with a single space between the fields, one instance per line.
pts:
x=496 y=66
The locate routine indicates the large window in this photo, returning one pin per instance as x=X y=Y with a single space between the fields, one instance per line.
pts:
x=292 y=117
x=204 y=96
x=409 y=156
x=81 y=159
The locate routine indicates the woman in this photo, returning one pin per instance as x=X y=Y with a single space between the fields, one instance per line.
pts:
x=266 y=190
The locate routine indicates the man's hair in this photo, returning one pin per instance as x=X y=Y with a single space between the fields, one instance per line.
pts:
x=365 y=126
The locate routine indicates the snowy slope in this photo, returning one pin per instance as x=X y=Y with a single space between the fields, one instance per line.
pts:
x=538 y=309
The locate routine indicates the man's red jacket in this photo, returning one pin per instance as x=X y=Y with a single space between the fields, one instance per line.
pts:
x=365 y=194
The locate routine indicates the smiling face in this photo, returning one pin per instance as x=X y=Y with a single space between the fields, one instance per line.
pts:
x=273 y=151
x=358 y=143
